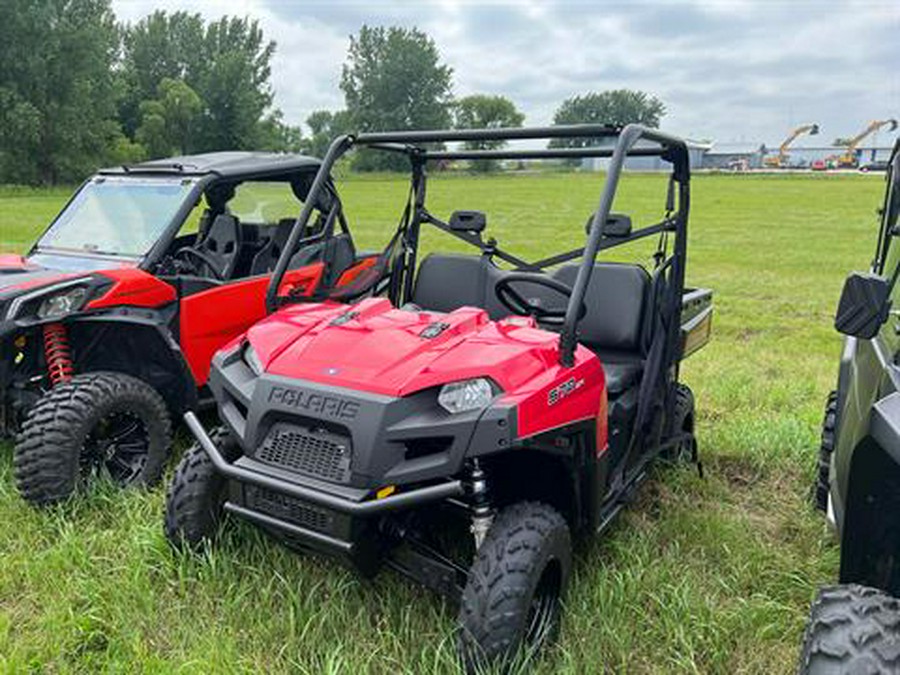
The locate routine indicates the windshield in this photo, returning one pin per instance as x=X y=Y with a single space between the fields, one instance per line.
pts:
x=117 y=216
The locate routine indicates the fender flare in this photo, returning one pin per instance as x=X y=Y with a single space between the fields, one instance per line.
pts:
x=871 y=532
x=885 y=424
x=180 y=388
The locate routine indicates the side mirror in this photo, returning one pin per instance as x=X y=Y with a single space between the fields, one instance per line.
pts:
x=617 y=225
x=468 y=221
x=864 y=305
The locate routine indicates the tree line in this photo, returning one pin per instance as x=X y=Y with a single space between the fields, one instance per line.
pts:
x=79 y=90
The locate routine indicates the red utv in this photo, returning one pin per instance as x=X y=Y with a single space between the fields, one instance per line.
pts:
x=475 y=413
x=108 y=324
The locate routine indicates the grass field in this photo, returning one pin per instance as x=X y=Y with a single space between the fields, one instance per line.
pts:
x=706 y=575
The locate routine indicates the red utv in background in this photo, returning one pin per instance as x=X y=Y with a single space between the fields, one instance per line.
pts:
x=462 y=428
x=108 y=324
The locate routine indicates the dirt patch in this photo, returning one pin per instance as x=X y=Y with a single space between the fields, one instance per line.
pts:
x=739 y=472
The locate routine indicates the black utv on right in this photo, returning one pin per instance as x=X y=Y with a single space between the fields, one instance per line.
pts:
x=854 y=627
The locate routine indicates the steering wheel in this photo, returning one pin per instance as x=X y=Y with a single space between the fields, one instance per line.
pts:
x=191 y=252
x=517 y=304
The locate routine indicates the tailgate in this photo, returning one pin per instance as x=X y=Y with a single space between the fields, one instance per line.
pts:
x=696 y=319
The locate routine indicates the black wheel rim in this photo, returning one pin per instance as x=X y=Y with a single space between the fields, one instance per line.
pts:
x=544 y=610
x=117 y=447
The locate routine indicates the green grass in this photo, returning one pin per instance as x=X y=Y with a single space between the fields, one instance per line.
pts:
x=697 y=576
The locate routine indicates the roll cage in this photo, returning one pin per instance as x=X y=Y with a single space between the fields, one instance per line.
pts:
x=279 y=168
x=398 y=261
x=890 y=214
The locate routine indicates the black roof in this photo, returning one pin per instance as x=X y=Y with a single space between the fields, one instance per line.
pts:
x=236 y=164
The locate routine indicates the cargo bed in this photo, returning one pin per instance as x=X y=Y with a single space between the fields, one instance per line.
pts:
x=696 y=319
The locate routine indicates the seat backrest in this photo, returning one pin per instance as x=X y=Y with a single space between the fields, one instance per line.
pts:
x=449 y=281
x=617 y=301
x=617 y=298
x=343 y=254
x=445 y=282
x=222 y=244
x=267 y=256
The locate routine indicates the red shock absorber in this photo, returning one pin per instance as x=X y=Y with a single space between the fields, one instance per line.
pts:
x=57 y=353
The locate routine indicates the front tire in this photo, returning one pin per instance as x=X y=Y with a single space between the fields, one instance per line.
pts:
x=512 y=602
x=852 y=629
x=97 y=423
x=196 y=496
x=826 y=450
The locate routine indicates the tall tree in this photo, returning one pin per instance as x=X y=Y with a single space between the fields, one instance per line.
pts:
x=57 y=112
x=169 y=122
x=159 y=46
x=616 y=108
x=393 y=79
x=480 y=111
x=324 y=125
x=226 y=63
x=274 y=135
x=234 y=83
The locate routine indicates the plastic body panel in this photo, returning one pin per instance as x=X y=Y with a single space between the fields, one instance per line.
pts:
x=133 y=288
x=372 y=347
x=212 y=318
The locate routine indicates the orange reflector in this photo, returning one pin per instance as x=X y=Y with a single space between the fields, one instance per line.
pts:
x=20 y=342
x=386 y=492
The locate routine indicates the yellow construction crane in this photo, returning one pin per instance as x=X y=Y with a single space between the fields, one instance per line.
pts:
x=848 y=159
x=780 y=160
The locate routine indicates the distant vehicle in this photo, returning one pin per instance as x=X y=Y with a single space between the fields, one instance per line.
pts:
x=780 y=161
x=818 y=165
x=848 y=159
x=879 y=165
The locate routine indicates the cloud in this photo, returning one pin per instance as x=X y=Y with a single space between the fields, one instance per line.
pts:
x=730 y=70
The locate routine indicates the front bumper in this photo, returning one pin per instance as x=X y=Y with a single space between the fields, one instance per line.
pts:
x=331 y=519
x=349 y=502
x=350 y=438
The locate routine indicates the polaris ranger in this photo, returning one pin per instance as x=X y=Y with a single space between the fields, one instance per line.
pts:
x=475 y=412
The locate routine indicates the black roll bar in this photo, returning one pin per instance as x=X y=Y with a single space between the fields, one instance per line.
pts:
x=670 y=148
x=338 y=147
x=892 y=176
x=676 y=152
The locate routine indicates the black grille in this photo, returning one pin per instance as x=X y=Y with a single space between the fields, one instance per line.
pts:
x=289 y=508
x=315 y=453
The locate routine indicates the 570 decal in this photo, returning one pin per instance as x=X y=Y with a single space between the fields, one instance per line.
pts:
x=568 y=387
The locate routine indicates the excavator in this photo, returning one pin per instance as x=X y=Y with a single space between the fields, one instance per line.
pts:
x=848 y=159
x=780 y=161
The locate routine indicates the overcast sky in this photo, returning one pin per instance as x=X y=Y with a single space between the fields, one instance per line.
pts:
x=729 y=70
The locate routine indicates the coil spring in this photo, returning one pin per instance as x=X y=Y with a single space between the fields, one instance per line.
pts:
x=57 y=353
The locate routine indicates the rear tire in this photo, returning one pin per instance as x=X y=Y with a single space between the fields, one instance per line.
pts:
x=826 y=450
x=512 y=603
x=101 y=422
x=852 y=629
x=683 y=422
x=196 y=495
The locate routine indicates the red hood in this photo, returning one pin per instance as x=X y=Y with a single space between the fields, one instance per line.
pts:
x=376 y=348
x=15 y=263
x=19 y=274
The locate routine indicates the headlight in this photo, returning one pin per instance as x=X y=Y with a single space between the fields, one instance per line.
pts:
x=457 y=397
x=252 y=360
x=62 y=303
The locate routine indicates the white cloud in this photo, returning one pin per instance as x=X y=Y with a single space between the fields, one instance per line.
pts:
x=735 y=69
